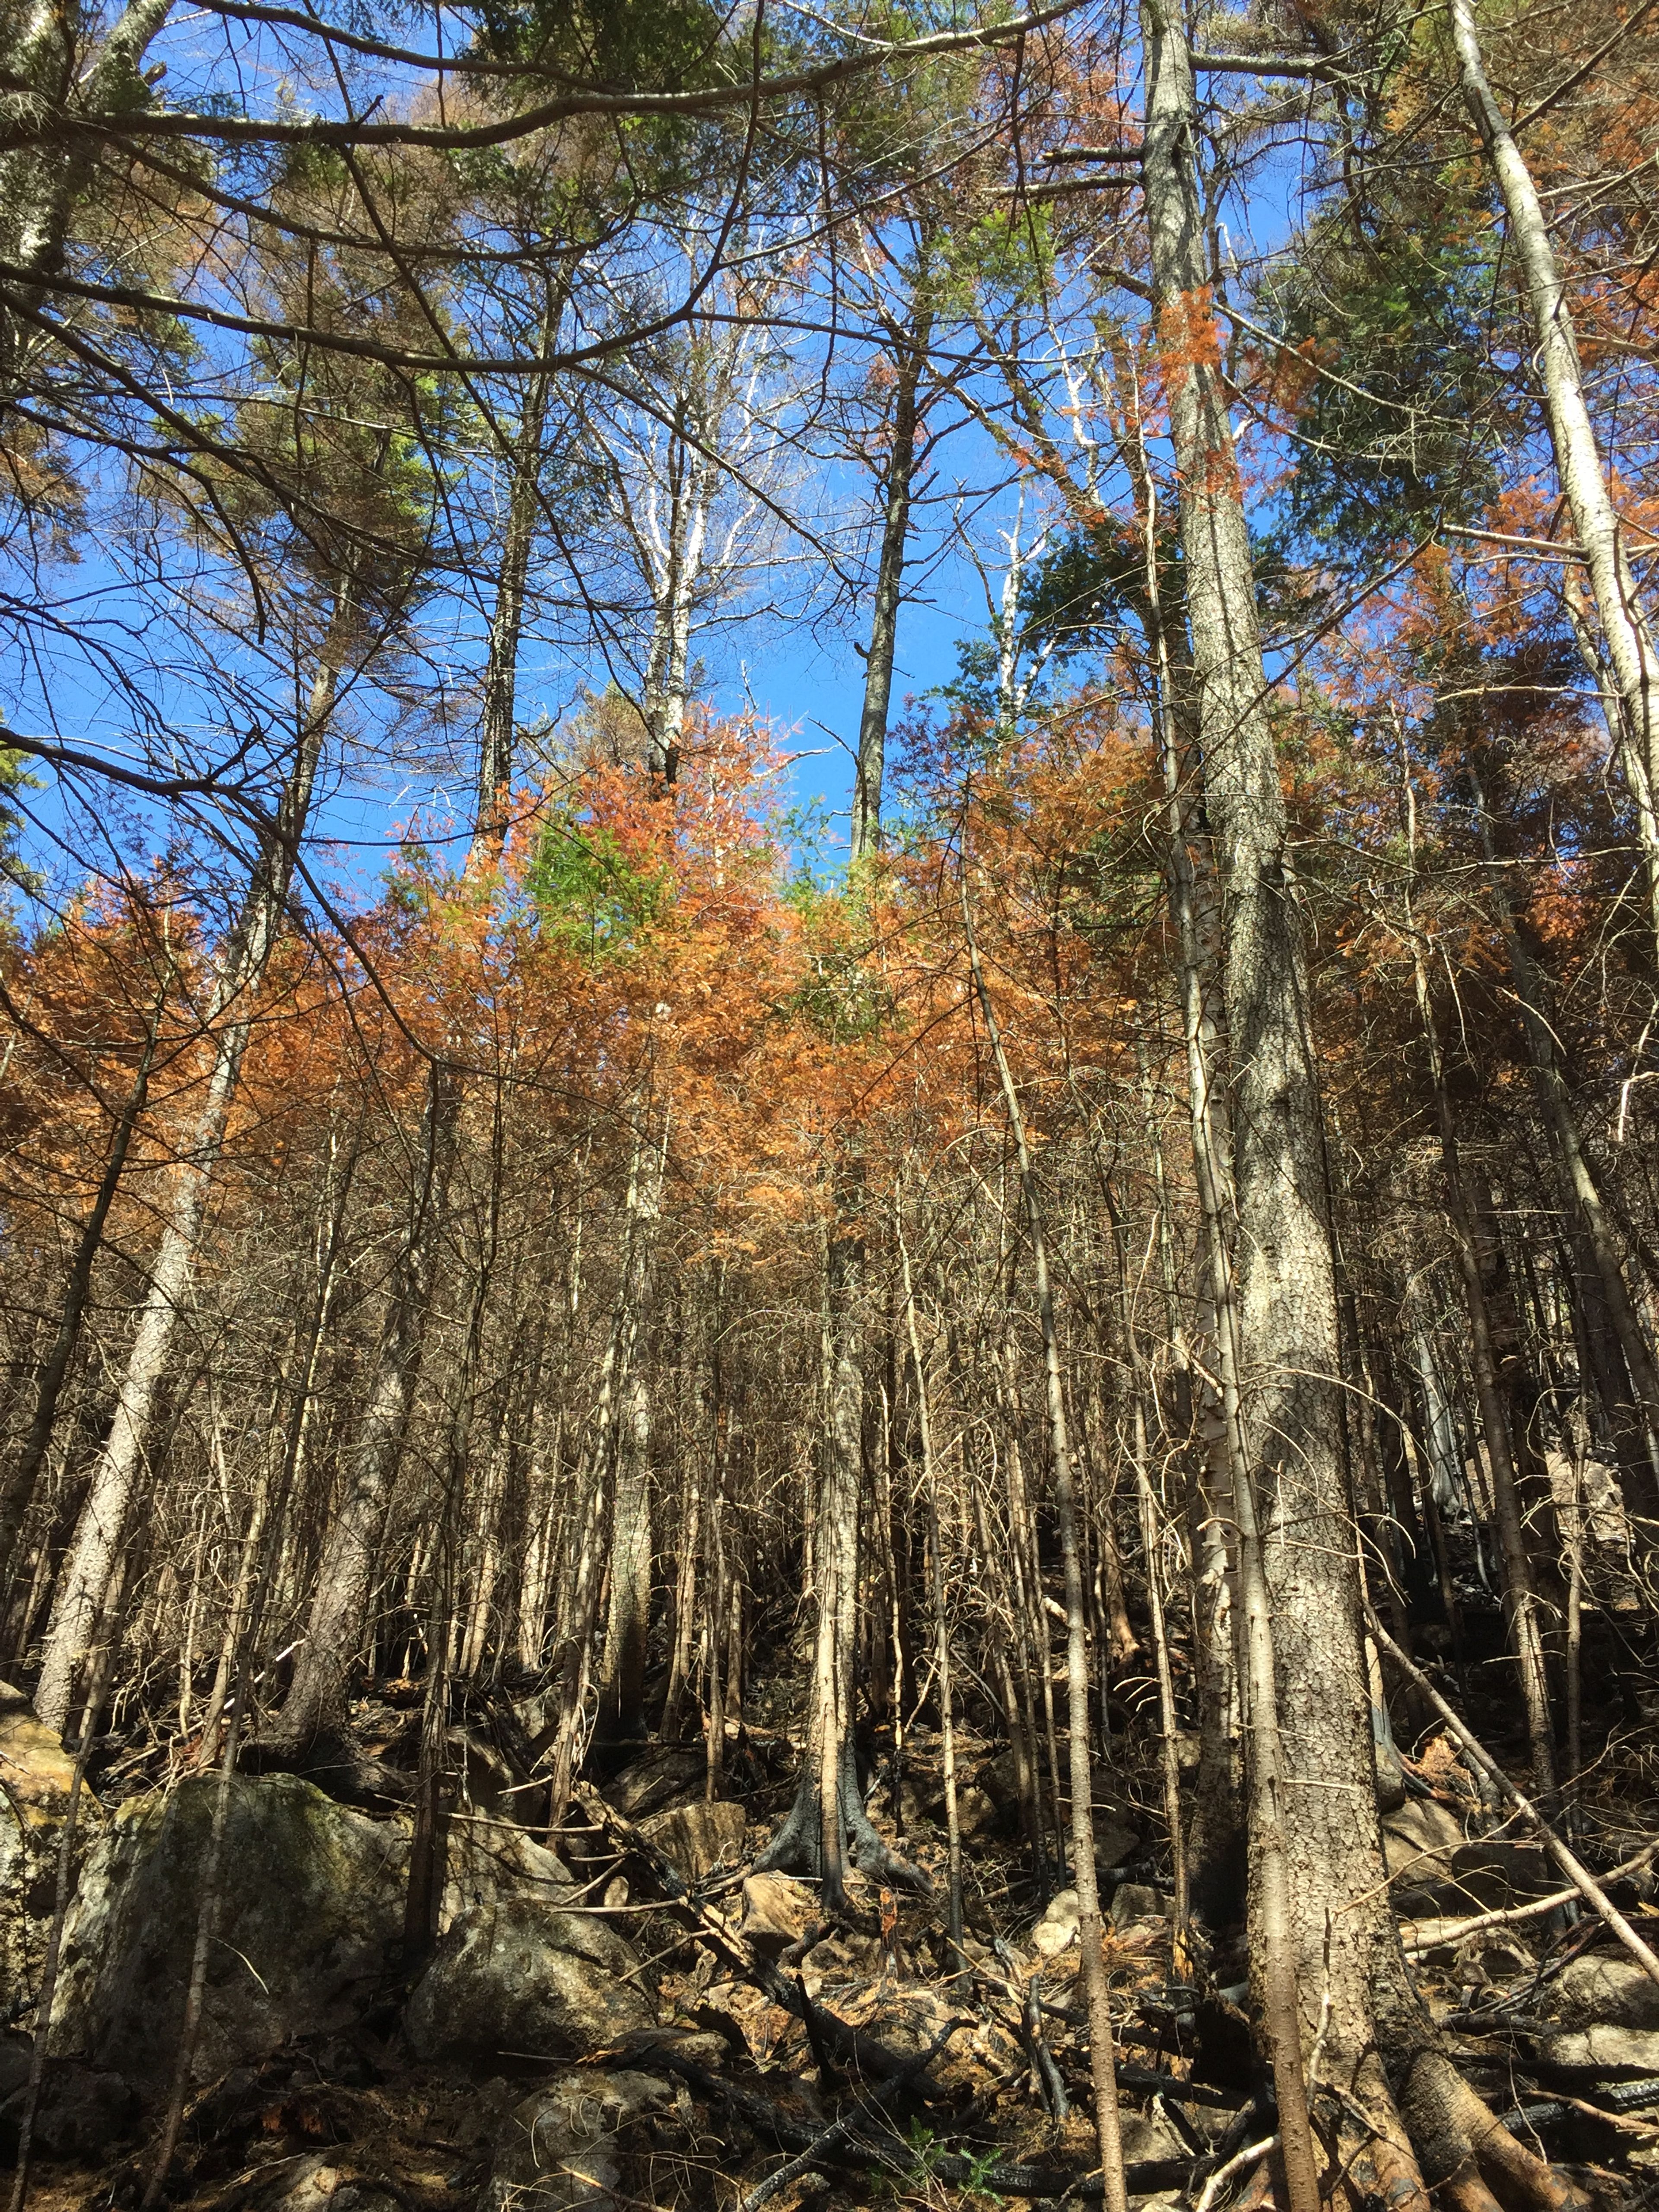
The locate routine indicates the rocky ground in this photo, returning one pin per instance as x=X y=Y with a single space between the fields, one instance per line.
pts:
x=641 y=2020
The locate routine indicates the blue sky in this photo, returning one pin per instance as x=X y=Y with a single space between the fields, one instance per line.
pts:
x=806 y=679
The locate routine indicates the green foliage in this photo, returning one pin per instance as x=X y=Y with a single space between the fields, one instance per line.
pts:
x=803 y=831
x=1078 y=596
x=589 y=894
x=839 y=997
x=633 y=45
x=1407 y=428
x=15 y=875
x=1006 y=256
x=926 y=2148
x=1081 y=596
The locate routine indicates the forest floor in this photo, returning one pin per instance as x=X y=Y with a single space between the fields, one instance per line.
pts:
x=771 y=2027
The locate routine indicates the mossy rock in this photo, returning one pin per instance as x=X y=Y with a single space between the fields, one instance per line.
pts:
x=312 y=1897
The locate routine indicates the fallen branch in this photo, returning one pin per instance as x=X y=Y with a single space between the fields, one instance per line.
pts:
x=841 y=2131
x=956 y=2171
x=1531 y=2117
x=1028 y=2026
x=693 y=1911
x=1461 y=1930
x=1179 y=2092
x=1574 y=1868
x=1251 y=2155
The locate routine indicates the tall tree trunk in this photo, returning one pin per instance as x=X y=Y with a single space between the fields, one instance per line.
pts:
x=19 y=1491
x=592 y=1515
x=910 y=345
x=1218 y=1471
x=313 y=1711
x=1586 y=1208
x=667 y=674
x=229 y=1021
x=1520 y=1597
x=428 y=1844
x=1632 y=658
x=691 y=1517
x=956 y=1960
x=254 y=1566
x=1102 y=2070
x=628 y=1623
x=828 y=1822
x=40 y=185
x=491 y=819
x=827 y=1828
x=1317 y=1847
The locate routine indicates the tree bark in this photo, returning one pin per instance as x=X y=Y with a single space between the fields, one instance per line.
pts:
x=1585 y=1207
x=1632 y=661
x=910 y=345
x=492 y=817
x=627 y=1624
x=19 y=1491
x=314 y=1712
x=827 y=1828
x=121 y=1465
x=668 y=661
x=1318 y=1847
x=1103 y=2069
x=1520 y=1597
x=40 y=185
x=957 y=1959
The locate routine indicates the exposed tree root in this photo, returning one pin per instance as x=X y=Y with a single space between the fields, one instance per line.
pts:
x=1446 y=2148
x=798 y=1847
x=1381 y=2172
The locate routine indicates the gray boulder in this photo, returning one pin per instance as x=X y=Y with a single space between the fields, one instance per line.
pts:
x=1117 y=1838
x=1610 y=2010
x=16 y=2056
x=1134 y=1901
x=84 y=2111
x=1056 y=1931
x=977 y=1813
x=668 y=1774
x=1606 y=1990
x=562 y=2148
x=1501 y=1871
x=515 y=1975
x=35 y=1774
x=316 y=2181
x=698 y=1837
x=777 y=1912
x=1420 y=1840
x=309 y=1928
x=1148 y=2136
x=313 y=1903
x=1602 y=2051
x=489 y=1859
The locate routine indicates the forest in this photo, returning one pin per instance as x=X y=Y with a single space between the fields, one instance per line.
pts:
x=828 y=969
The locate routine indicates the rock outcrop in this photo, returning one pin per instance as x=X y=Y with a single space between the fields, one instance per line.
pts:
x=312 y=1909
x=516 y=1976
x=1117 y=1836
x=1608 y=2008
x=35 y=1778
x=668 y=1774
x=309 y=1936
x=777 y=1912
x=698 y=1837
x=562 y=2148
